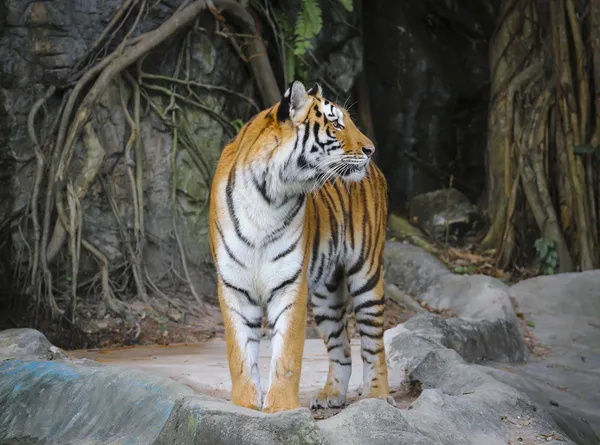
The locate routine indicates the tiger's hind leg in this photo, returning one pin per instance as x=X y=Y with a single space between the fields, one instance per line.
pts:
x=366 y=290
x=330 y=312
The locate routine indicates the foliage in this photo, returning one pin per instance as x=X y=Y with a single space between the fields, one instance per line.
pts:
x=296 y=39
x=546 y=251
x=308 y=24
x=237 y=125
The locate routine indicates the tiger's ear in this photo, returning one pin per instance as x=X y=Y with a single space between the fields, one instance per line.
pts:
x=293 y=103
x=316 y=91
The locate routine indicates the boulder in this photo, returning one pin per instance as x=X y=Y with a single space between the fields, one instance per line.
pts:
x=445 y=214
x=563 y=313
x=28 y=344
x=197 y=421
x=411 y=268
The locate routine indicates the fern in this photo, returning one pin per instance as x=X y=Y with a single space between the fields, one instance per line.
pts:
x=308 y=24
x=347 y=4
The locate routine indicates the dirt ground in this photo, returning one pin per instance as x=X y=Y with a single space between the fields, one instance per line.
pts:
x=97 y=329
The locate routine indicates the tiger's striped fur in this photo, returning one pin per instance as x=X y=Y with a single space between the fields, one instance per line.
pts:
x=297 y=210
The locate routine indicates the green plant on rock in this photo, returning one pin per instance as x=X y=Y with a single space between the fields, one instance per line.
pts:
x=546 y=251
x=297 y=39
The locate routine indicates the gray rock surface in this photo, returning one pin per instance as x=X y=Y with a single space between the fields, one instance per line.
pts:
x=210 y=422
x=565 y=312
x=481 y=323
x=445 y=214
x=460 y=403
x=28 y=344
x=411 y=268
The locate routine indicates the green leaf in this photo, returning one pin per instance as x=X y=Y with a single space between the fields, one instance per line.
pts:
x=584 y=149
x=531 y=324
x=308 y=24
x=347 y=4
x=459 y=269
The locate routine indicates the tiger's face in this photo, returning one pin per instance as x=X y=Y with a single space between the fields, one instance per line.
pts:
x=324 y=143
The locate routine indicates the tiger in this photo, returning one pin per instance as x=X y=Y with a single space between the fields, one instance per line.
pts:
x=298 y=215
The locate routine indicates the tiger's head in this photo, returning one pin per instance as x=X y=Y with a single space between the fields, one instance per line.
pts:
x=319 y=141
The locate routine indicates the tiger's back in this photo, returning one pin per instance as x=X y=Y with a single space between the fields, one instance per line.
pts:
x=298 y=214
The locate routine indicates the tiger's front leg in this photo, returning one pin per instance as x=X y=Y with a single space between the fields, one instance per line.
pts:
x=286 y=313
x=242 y=319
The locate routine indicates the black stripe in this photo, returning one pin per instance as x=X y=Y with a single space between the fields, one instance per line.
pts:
x=336 y=334
x=357 y=266
x=369 y=322
x=284 y=284
x=338 y=306
x=240 y=290
x=252 y=340
x=319 y=296
x=272 y=325
x=375 y=336
x=227 y=249
x=370 y=284
x=373 y=351
x=316 y=241
x=288 y=250
x=321 y=318
x=251 y=324
x=336 y=279
x=229 y=196
x=261 y=186
x=316 y=128
x=341 y=363
x=332 y=347
x=368 y=303
x=350 y=221
x=306 y=136
x=278 y=233
x=320 y=269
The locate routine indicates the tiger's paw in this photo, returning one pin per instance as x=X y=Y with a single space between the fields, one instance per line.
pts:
x=252 y=400
x=276 y=401
x=324 y=399
x=389 y=399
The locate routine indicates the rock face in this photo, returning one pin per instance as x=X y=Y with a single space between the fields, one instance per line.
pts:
x=565 y=312
x=427 y=65
x=50 y=38
x=446 y=214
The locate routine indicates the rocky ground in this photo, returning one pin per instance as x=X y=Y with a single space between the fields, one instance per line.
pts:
x=462 y=371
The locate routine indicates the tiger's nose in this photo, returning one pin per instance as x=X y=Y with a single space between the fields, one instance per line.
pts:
x=368 y=151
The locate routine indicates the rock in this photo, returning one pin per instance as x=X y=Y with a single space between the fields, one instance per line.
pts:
x=445 y=214
x=198 y=421
x=479 y=320
x=565 y=311
x=403 y=230
x=461 y=403
x=427 y=66
x=27 y=343
x=411 y=268
x=372 y=421
x=70 y=403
